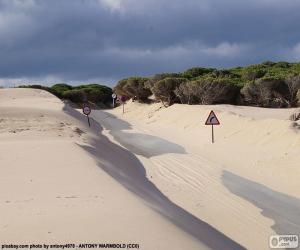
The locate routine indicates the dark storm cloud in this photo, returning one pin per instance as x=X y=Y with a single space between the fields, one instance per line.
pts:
x=93 y=40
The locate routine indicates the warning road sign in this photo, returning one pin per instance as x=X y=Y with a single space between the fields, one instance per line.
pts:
x=212 y=119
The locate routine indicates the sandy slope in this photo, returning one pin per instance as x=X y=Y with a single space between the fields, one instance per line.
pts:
x=246 y=184
x=62 y=182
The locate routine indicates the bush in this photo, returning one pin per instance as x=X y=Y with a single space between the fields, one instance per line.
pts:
x=59 y=89
x=35 y=86
x=119 y=88
x=97 y=94
x=135 y=88
x=253 y=74
x=223 y=73
x=196 y=72
x=208 y=91
x=158 y=77
x=266 y=93
x=164 y=90
x=76 y=96
x=293 y=86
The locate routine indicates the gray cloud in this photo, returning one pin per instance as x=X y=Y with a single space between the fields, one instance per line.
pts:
x=105 y=40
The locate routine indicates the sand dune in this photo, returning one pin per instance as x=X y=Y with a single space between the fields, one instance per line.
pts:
x=246 y=184
x=63 y=182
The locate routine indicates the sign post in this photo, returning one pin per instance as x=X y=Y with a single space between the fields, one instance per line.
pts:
x=212 y=120
x=87 y=110
x=123 y=100
x=114 y=96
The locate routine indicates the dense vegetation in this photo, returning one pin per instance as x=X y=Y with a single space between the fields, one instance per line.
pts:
x=96 y=95
x=268 y=84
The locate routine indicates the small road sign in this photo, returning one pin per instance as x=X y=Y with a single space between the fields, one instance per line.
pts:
x=87 y=110
x=114 y=96
x=123 y=99
x=212 y=120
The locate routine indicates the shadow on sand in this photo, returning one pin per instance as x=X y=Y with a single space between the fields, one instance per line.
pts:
x=137 y=143
x=126 y=169
x=282 y=208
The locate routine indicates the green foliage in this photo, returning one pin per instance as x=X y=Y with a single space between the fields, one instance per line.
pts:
x=208 y=91
x=196 y=72
x=158 y=77
x=164 y=89
x=269 y=93
x=133 y=87
x=119 y=88
x=96 y=94
x=35 y=86
x=269 y=84
x=76 y=96
x=59 y=88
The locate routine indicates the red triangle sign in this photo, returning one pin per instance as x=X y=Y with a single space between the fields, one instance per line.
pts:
x=212 y=119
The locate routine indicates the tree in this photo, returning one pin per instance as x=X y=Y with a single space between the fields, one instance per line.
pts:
x=158 y=77
x=135 y=88
x=76 y=96
x=164 y=90
x=119 y=89
x=266 y=93
x=196 y=72
x=293 y=85
x=208 y=91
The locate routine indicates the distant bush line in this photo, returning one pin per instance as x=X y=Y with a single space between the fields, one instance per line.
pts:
x=269 y=84
x=96 y=95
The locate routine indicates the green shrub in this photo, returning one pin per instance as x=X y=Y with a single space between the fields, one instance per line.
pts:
x=196 y=72
x=164 y=90
x=59 y=89
x=293 y=85
x=35 y=86
x=135 y=88
x=208 y=91
x=119 y=88
x=158 y=77
x=253 y=74
x=269 y=93
x=76 y=96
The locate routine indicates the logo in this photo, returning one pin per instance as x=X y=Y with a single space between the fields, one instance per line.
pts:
x=284 y=241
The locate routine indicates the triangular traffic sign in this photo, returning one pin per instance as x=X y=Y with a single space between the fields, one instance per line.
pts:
x=212 y=119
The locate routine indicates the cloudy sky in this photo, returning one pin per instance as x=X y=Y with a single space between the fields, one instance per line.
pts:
x=48 y=41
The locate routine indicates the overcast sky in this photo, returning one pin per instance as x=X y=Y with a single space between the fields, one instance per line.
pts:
x=48 y=41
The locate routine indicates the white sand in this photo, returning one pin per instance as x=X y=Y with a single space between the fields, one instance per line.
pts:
x=63 y=182
x=246 y=185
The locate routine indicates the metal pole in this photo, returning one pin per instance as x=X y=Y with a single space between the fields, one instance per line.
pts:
x=212 y=134
x=113 y=102
x=88 y=120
